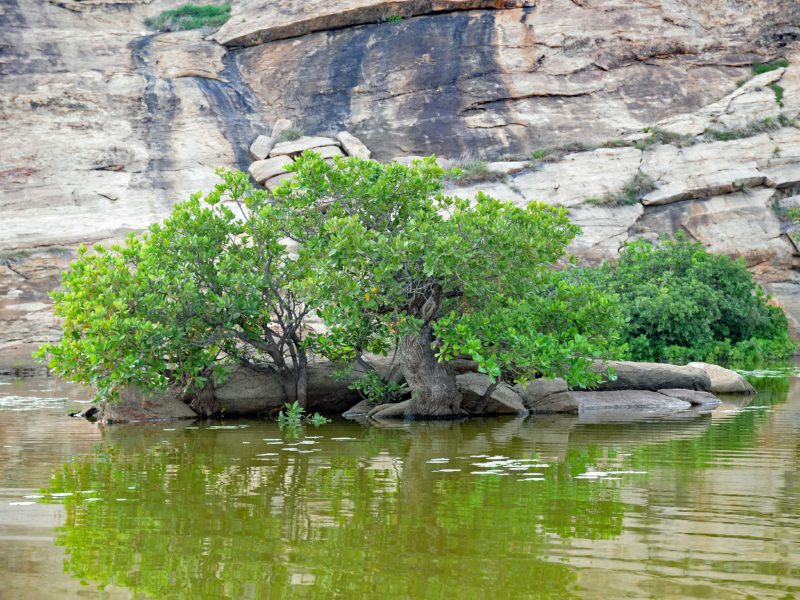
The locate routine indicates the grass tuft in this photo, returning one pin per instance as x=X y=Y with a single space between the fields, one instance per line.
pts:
x=778 y=93
x=638 y=187
x=758 y=127
x=475 y=171
x=289 y=135
x=190 y=16
x=759 y=68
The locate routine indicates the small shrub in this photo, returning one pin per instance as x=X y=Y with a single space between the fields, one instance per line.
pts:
x=190 y=16
x=475 y=171
x=394 y=19
x=683 y=303
x=759 y=68
x=793 y=214
x=373 y=388
x=662 y=136
x=778 y=90
x=556 y=153
x=289 y=135
x=639 y=186
x=758 y=127
x=294 y=415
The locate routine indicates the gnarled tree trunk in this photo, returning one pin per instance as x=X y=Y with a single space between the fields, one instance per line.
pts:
x=434 y=394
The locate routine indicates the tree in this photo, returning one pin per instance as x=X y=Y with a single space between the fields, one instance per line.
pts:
x=205 y=288
x=397 y=263
x=682 y=303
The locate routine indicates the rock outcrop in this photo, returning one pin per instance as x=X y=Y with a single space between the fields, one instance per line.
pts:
x=106 y=126
x=724 y=381
x=652 y=376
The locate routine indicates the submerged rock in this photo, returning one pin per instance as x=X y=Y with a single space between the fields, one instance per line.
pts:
x=694 y=397
x=652 y=376
x=389 y=411
x=539 y=389
x=724 y=381
x=137 y=406
x=623 y=401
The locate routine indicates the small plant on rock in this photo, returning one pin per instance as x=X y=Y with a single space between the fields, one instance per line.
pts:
x=190 y=16
x=289 y=135
x=475 y=171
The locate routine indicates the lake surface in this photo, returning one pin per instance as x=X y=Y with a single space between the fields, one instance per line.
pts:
x=697 y=506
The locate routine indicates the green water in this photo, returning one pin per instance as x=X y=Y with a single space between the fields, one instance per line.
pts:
x=698 y=506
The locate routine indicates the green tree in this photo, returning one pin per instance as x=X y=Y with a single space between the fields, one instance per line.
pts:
x=683 y=303
x=209 y=286
x=399 y=264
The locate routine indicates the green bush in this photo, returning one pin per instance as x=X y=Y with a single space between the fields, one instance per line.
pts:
x=289 y=135
x=759 y=68
x=190 y=16
x=684 y=304
x=475 y=171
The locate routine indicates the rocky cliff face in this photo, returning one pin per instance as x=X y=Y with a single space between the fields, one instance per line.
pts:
x=106 y=126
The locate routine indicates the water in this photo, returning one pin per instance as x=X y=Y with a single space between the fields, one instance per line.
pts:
x=699 y=506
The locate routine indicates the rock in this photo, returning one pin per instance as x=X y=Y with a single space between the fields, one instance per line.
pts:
x=352 y=145
x=693 y=397
x=273 y=182
x=299 y=146
x=359 y=410
x=538 y=389
x=261 y=148
x=89 y=413
x=135 y=406
x=509 y=167
x=262 y=170
x=790 y=202
x=652 y=376
x=248 y=392
x=724 y=381
x=503 y=401
x=280 y=126
x=723 y=181
x=328 y=151
x=783 y=176
x=389 y=411
x=621 y=401
x=256 y=22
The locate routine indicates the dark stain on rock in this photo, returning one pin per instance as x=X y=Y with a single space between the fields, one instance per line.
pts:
x=235 y=108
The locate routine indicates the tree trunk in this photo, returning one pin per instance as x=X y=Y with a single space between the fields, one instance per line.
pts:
x=204 y=403
x=295 y=379
x=434 y=394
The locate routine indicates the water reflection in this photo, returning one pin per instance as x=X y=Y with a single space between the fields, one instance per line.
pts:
x=556 y=507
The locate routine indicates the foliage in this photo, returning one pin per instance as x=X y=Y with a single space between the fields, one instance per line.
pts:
x=394 y=19
x=684 y=304
x=203 y=288
x=393 y=255
x=289 y=135
x=778 y=91
x=794 y=214
x=755 y=128
x=634 y=190
x=294 y=415
x=759 y=68
x=190 y=16
x=662 y=136
x=475 y=171
x=372 y=387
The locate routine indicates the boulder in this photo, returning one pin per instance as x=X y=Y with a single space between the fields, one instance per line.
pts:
x=622 y=401
x=299 y=146
x=280 y=126
x=724 y=381
x=329 y=151
x=263 y=170
x=652 y=376
x=352 y=145
x=503 y=400
x=261 y=148
x=538 y=389
x=693 y=397
x=137 y=406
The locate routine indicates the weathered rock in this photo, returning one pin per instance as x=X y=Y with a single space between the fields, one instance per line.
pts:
x=621 y=401
x=789 y=202
x=262 y=170
x=693 y=397
x=300 y=145
x=280 y=126
x=328 y=151
x=261 y=148
x=723 y=181
x=136 y=406
x=783 y=176
x=724 y=381
x=258 y=21
x=503 y=400
x=389 y=411
x=538 y=389
x=652 y=376
x=352 y=145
